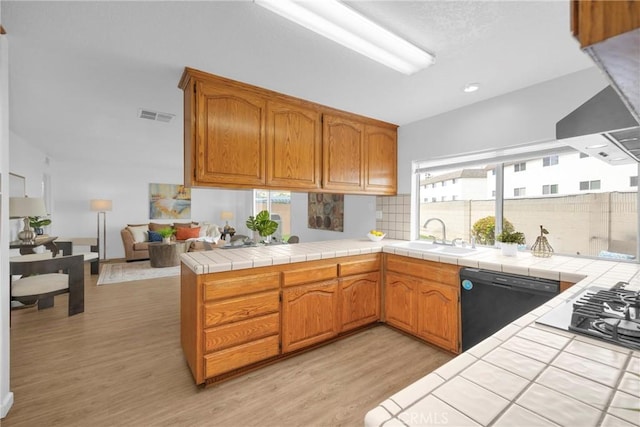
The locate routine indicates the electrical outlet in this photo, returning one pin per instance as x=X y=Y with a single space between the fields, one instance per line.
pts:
x=378 y=214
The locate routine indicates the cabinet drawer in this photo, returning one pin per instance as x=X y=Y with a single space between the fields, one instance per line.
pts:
x=367 y=265
x=233 y=287
x=233 y=310
x=237 y=333
x=242 y=355
x=438 y=272
x=310 y=274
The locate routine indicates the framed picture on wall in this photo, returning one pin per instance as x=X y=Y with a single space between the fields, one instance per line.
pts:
x=17 y=185
x=169 y=201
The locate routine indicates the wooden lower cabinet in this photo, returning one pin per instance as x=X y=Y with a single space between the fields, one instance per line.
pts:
x=400 y=301
x=309 y=314
x=359 y=300
x=438 y=320
x=422 y=298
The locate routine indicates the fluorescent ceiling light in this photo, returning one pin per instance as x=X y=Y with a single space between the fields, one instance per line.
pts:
x=343 y=25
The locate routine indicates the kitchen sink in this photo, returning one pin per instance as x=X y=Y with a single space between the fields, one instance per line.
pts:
x=418 y=245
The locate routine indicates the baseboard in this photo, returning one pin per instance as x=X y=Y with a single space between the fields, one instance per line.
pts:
x=7 y=403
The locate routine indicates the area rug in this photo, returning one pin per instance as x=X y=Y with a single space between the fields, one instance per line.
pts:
x=126 y=272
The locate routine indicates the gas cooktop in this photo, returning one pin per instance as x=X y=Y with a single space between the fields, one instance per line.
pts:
x=611 y=315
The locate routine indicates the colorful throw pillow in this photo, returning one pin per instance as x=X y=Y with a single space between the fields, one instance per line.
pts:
x=184 y=233
x=139 y=233
x=154 y=236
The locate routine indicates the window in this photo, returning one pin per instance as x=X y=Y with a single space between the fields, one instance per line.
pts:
x=444 y=183
x=520 y=167
x=454 y=180
x=433 y=199
x=589 y=185
x=454 y=197
x=278 y=203
x=443 y=198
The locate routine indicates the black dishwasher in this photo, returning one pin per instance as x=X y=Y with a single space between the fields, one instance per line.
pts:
x=490 y=300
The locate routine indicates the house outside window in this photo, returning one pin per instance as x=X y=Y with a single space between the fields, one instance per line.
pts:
x=550 y=189
x=520 y=167
x=589 y=185
x=550 y=160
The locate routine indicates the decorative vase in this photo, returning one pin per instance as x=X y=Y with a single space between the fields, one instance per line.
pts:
x=166 y=240
x=509 y=249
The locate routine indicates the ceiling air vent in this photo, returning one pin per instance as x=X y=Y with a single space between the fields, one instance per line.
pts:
x=154 y=115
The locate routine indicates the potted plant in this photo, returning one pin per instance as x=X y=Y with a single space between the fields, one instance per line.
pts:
x=166 y=234
x=263 y=224
x=37 y=223
x=509 y=242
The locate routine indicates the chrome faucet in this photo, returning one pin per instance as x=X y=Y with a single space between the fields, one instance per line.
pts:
x=444 y=228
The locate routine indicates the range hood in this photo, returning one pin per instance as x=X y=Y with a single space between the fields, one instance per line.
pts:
x=603 y=128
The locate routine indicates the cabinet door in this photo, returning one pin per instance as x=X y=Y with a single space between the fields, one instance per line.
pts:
x=359 y=300
x=230 y=136
x=400 y=301
x=381 y=160
x=343 y=159
x=309 y=314
x=294 y=143
x=438 y=318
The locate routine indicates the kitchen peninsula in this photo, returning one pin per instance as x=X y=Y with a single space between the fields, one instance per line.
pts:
x=530 y=358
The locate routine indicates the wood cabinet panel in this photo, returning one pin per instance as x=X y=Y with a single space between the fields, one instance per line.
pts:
x=294 y=146
x=226 y=287
x=593 y=21
x=359 y=300
x=309 y=314
x=235 y=309
x=363 y=265
x=343 y=157
x=236 y=357
x=226 y=152
x=381 y=159
x=236 y=333
x=439 y=272
x=400 y=301
x=438 y=318
x=309 y=274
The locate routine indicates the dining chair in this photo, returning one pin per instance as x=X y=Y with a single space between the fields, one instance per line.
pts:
x=43 y=278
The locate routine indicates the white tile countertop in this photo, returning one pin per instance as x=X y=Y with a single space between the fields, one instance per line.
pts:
x=525 y=374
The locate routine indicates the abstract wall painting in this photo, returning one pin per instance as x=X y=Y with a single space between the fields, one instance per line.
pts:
x=169 y=201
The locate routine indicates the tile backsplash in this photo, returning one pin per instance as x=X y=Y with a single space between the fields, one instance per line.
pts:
x=396 y=216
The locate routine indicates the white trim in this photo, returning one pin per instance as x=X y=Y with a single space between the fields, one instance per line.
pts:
x=7 y=403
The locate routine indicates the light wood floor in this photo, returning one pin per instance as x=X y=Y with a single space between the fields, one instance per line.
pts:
x=120 y=363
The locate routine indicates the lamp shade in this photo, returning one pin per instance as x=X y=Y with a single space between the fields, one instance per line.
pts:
x=101 y=205
x=226 y=215
x=20 y=207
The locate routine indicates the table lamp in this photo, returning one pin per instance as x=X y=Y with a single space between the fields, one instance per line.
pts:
x=102 y=206
x=24 y=207
x=226 y=216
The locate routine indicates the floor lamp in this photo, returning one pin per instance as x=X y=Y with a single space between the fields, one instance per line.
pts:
x=102 y=206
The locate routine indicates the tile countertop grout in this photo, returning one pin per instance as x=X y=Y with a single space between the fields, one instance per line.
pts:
x=518 y=376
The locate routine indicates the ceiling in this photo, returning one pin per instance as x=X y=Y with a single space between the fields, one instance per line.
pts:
x=79 y=71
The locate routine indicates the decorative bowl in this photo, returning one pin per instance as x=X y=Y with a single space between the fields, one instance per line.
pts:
x=374 y=238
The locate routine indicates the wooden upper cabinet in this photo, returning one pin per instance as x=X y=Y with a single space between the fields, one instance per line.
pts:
x=294 y=146
x=380 y=146
x=343 y=154
x=241 y=136
x=593 y=21
x=230 y=136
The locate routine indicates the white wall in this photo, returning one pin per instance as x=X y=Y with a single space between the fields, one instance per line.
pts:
x=523 y=116
x=6 y=396
x=359 y=218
